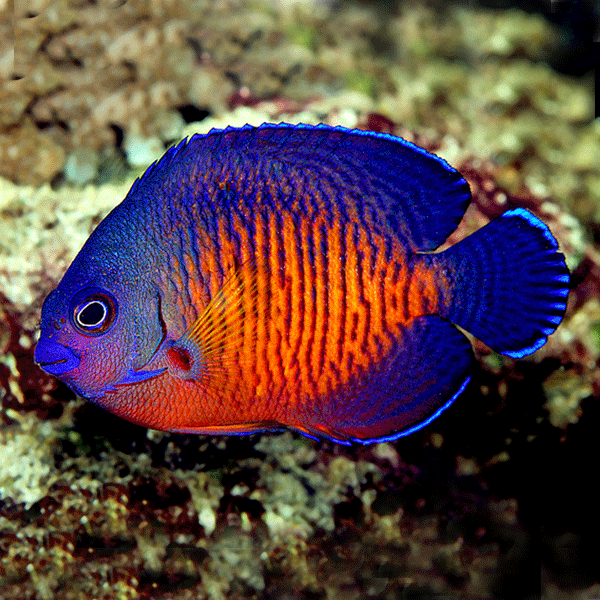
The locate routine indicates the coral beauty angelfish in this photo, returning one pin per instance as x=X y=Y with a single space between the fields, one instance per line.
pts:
x=286 y=276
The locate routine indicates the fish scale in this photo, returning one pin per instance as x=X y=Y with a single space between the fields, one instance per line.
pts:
x=283 y=276
x=322 y=333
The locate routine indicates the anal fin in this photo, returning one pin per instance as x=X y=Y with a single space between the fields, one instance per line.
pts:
x=429 y=368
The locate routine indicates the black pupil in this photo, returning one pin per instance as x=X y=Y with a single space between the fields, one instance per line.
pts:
x=92 y=314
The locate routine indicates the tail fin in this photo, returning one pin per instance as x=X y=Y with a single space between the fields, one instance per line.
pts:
x=510 y=283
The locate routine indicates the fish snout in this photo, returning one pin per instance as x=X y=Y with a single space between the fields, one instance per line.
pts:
x=54 y=358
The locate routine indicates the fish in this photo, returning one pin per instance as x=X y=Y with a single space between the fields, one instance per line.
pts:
x=289 y=276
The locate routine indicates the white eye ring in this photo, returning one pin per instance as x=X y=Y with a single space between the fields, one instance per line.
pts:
x=93 y=311
x=98 y=322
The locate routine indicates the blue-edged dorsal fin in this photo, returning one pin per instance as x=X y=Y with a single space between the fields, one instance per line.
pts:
x=374 y=177
x=420 y=196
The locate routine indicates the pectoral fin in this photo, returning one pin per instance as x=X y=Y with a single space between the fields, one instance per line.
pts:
x=210 y=348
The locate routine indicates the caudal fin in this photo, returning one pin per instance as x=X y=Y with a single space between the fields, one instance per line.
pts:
x=510 y=283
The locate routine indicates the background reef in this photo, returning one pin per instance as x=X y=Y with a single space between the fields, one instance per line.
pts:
x=497 y=487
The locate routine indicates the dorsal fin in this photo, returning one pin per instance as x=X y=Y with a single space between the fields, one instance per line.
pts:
x=360 y=174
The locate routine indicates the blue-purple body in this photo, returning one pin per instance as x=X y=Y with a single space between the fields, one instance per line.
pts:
x=284 y=275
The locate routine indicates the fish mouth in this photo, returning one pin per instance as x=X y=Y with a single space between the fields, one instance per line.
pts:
x=54 y=358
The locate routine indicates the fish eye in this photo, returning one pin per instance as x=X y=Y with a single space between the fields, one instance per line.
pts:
x=93 y=312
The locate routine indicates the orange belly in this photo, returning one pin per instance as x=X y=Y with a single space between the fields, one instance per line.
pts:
x=317 y=316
